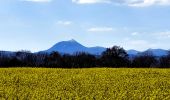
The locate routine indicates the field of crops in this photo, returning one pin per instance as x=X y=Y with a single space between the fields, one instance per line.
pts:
x=84 y=84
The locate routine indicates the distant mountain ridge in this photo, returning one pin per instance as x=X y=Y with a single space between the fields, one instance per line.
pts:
x=72 y=46
x=156 y=52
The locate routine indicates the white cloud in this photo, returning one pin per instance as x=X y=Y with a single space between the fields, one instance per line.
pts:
x=100 y=29
x=161 y=35
x=65 y=23
x=40 y=1
x=91 y=1
x=134 y=3
x=166 y=34
x=143 y=3
x=139 y=44
x=154 y=35
x=134 y=33
x=147 y=40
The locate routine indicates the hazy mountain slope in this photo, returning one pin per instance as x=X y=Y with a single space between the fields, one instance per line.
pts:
x=73 y=46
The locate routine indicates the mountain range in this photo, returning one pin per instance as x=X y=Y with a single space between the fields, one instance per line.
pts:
x=72 y=46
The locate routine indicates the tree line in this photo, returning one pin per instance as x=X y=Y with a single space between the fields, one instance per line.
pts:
x=115 y=57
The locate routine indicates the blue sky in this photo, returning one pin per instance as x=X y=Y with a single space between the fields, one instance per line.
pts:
x=38 y=24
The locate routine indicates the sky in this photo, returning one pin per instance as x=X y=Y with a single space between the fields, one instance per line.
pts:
x=37 y=25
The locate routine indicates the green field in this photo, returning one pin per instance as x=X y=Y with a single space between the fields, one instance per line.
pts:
x=84 y=84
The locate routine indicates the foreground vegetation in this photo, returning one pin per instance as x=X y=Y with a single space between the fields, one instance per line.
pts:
x=85 y=84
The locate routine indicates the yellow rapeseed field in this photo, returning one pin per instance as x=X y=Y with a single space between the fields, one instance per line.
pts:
x=84 y=84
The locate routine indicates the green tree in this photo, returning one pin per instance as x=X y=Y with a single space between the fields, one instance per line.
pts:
x=114 y=57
